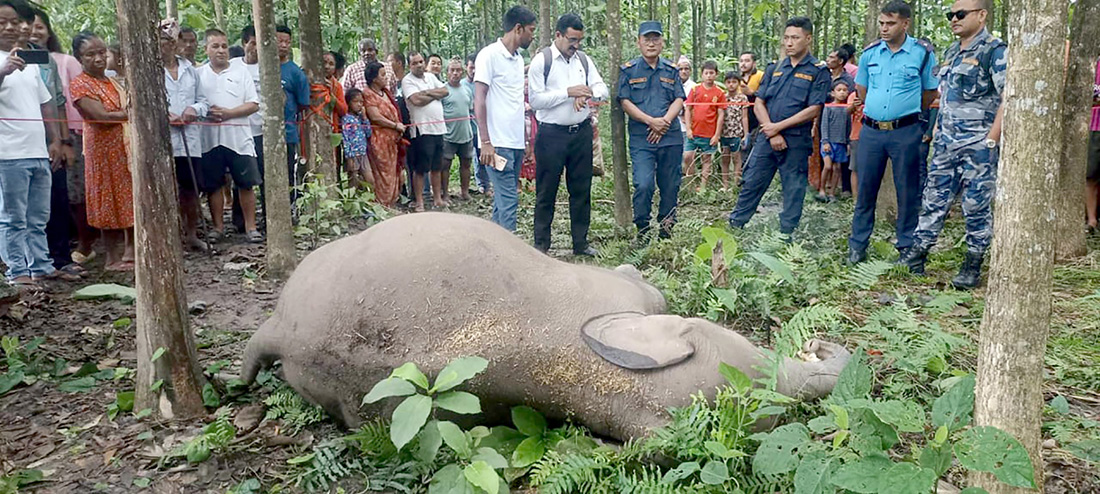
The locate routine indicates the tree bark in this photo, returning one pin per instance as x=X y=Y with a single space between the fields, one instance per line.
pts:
x=620 y=172
x=674 y=27
x=1084 y=45
x=1014 y=328
x=219 y=14
x=546 y=23
x=171 y=8
x=317 y=148
x=364 y=15
x=335 y=5
x=280 y=256
x=162 y=323
x=389 y=29
x=870 y=26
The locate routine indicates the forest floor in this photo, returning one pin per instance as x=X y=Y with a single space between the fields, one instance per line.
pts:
x=72 y=424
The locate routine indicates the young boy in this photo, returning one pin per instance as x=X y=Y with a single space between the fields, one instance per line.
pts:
x=733 y=128
x=835 y=128
x=704 y=109
x=356 y=130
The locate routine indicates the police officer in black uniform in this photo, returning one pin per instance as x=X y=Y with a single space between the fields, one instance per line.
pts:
x=652 y=96
x=791 y=95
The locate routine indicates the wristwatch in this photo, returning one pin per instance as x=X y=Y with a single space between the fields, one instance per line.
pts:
x=67 y=142
x=990 y=143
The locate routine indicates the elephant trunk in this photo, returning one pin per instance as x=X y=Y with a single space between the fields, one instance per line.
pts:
x=804 y=380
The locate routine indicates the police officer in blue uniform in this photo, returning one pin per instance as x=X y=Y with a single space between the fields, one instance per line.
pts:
x=652 y=96
x=791 y=95
x=895 y=81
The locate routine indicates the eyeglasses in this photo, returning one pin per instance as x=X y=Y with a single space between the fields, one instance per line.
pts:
x=960 y=14
x=651 y=40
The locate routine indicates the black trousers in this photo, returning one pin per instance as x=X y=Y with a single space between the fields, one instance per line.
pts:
x=59 y=227
x=560 y=148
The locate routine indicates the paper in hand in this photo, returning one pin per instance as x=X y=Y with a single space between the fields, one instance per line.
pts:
x=499 y=162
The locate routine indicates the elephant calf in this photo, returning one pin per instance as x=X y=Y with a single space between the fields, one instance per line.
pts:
x=569 y=340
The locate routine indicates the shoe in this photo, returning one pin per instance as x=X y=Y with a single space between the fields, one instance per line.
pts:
x=254 y=237
x=213 y=236
x=642 y=238
x=856 y=256
x=544 y=250
x=831 y=199
x=821 y=198
x=787 y=238
x=734 y=226
x=914 y=258
x=587 y=251
x=970 y=274
x=665 y=233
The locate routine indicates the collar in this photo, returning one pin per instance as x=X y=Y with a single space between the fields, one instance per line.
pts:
x=556 y=53
x=504 y=48
x=906 y=46
x=979 y=39
x=808 y=59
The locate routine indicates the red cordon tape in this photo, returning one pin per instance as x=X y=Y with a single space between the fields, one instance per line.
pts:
x=204 y=123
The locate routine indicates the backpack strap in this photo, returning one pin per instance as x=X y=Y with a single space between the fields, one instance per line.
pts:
x=548 y=60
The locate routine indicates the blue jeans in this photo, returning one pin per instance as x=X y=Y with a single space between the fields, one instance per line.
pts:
x=24 y=210
x=791 y=164
x=902 y=148
x=656 y=169
x=506 y=187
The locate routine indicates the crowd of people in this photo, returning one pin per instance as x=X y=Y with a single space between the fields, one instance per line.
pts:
x=65 y=178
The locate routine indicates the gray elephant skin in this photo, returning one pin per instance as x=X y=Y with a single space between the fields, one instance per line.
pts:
x=431 y=287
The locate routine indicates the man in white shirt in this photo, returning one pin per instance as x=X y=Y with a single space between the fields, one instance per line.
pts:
x=25 y=175
x=232 y=97
x=186 y=103
x=251 y=62
x=423 y=92
x=499 y=106
x=561 y=82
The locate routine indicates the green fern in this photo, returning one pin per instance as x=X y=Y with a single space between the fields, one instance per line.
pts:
x=803 y=325
x=328 y=463
x=372 y=439
x=294 y=410
x=647 y=480
x=865 y=274
x=567 y=474
x=752 y=483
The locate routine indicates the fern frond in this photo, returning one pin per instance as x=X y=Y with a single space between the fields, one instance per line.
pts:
x=803 y=325
x=865 y=274
x=568 y=474
x=294 y=410
x=752 y=483
x=372 y=439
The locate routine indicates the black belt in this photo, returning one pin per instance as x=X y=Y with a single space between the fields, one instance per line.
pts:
x=892 y=124
x=572 y=129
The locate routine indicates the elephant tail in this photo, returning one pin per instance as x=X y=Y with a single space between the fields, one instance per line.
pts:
x=261 y=352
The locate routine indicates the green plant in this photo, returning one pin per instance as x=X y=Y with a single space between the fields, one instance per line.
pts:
x=11 y=482
x=286 y=404
x=326 y=208
x=215 y=436
x=25 y=364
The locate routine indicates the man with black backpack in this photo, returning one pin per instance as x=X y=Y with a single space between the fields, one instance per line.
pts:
x=561 y=82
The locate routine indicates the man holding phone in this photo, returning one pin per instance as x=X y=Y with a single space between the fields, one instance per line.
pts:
x=25 y=158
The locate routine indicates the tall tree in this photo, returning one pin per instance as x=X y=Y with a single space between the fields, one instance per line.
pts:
x=674 y=27
x=389 y=26
x=335 y=9
x=1014 y=327
x=1084 y=47
x=172 y=9
x=618 y=119
x=365 y=16
x=165 y=345
x=317 y=149
x=219 y=14
x=280 y=256
x=546 y=23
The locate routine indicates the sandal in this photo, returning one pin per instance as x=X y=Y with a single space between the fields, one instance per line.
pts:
x=26 y=284
x=121 y=266
x=195 y=244
x=76 y=269
x=58 y=274
x=213 y=236
x=82 y=258
x=254 y=237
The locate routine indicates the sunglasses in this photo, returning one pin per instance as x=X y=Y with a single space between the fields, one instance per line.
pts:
x=960 y=14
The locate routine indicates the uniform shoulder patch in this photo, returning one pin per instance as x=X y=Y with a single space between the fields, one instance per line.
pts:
x=926 y=45
x=628 y=65
x=873 y=44
x=668 y=62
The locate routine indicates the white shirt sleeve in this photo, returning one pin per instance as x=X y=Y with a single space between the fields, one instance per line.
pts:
x=43 y=93
x=483 y=66
x=250 y=95
x=599 y=89
x=539 y=97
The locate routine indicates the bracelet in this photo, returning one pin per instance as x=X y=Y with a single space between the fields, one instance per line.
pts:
x=67 y=141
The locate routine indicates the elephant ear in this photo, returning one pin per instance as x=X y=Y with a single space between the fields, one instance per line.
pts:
x=636 y=341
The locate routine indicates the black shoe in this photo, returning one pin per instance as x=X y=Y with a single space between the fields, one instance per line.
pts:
x=587 y=251
x=821 y=198
x=543 y=249
x=856 y=256
x=970 y=274
x=665 y=233
x=787 y=238
x=914 y=258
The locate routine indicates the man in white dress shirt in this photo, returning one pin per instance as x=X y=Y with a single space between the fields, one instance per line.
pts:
x=561 y=82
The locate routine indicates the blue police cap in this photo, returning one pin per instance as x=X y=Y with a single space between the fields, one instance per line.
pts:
x=650 y=27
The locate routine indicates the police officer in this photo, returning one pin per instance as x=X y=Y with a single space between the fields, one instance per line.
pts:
x=964 y=156
x=791 y=95
x=895 y=81
x=652 y=96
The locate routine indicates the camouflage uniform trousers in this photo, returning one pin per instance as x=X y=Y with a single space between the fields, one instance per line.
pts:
x=971 y=171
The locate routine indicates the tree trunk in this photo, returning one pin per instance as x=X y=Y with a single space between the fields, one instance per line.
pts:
x=870 y=26
x=1006 y=10
x=317 y=149
x=171 y=9
x=620 y=172
x=335 y=12
x=389 y=29
x=1014 y=329
x=546 y=23
x=219 y=14
x=1084 y=45
x=163 y=328
x=674 y=27
x=280 y=256
x=364 y=15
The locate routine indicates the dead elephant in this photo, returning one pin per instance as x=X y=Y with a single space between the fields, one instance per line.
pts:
x=569 y=340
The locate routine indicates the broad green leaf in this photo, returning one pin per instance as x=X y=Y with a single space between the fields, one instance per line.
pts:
x=937 y=459
x=840 y=416
x=458 y=402
x=715 y=472
x=106 y=291
x=409 y=372
x=716 y=448
x=430 y=440
x=491 y=457
x=125 y=401
x=681 y=472
x=778 y=267
x=907 y=478
x=864 y=475
x=869 y=434
x=854 y=381
x=298 y=460
x=812 y=475
x=479 y=432
x=954 y=408
x=390 y=386
x=1086 y=450
x=778 y=451
x=727 y=297
x=528 y=452
x=736 y=378
x=989 y=449
x=1060 y=405
x=158 y=353
x=455 y=438
x=482 y=476
x=528 y=421
x=974 y=490
x=450 y=480
x=210 y=397
x=408 y=418
x=768 y=411
x=82 y=385
x=458 y=372
x=822 y=425
x=906 y=416
x=87 y=369
x=10 y=380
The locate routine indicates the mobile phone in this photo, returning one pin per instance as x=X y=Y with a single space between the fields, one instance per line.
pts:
x=38 y=57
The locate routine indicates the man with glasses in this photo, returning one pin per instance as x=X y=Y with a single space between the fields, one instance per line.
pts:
x=964 y=157
x=652 y=96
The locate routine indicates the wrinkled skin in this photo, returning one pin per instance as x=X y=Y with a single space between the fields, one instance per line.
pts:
x=428 y=288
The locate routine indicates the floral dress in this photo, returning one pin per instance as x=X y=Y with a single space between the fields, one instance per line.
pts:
x=383 y=148
x=108 y=186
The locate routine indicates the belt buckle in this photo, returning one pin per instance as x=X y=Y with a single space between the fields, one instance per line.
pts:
x=886 y=125
x=572 y=129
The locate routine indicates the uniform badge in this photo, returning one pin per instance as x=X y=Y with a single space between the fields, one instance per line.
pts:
x=808 y=77
x=971 y=61
x=777 y=74
x=713 y=99
x=637 y=80
x=666 y=79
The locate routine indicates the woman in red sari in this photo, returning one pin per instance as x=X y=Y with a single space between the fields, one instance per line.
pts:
x=386 y=131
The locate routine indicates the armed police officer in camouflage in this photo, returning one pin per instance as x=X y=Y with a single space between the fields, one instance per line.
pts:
x=964 y=156
x=895 y=82
x=791 y=95
x=652 y=96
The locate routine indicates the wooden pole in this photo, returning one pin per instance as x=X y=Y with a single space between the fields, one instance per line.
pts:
x=171 y=384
